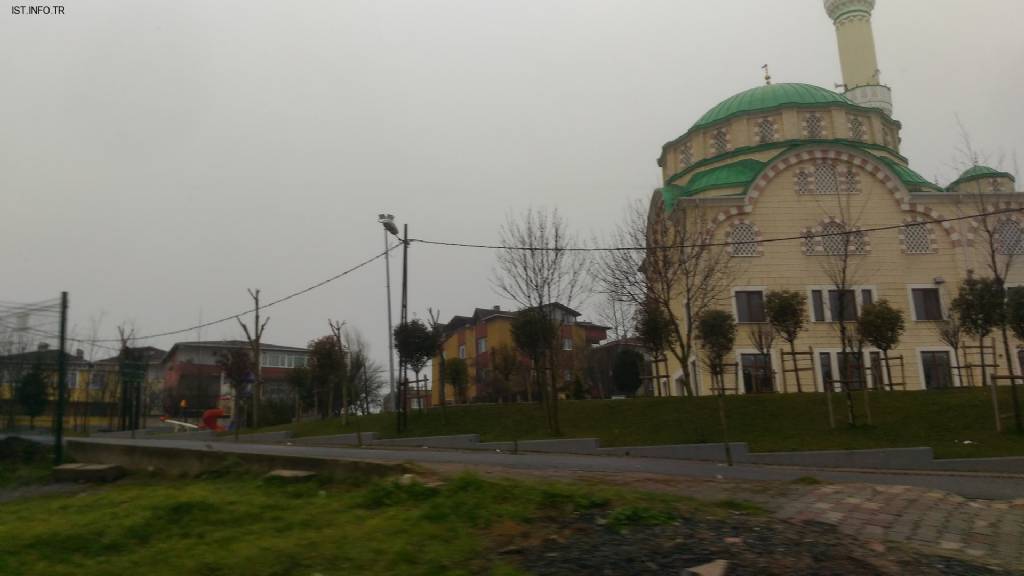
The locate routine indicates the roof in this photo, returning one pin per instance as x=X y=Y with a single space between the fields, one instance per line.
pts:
x=737 y=174
x=232 y=344
x=769 y=97
x=479 y=314
x=909 y=178
x=42 y=357
x=978 y=172
x=149 y=354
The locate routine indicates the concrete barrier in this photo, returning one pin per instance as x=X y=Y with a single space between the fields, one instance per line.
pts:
x=144 y=432
x=193 y=461
x=711 y=451
x=335 y=439
x=261 y=437
x=564 y=445
x=886 y=458
x=198 y=435
x=454 y=441
x=1008 y=465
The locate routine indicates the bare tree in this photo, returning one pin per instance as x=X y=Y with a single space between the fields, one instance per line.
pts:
x=255 y=338
x=538 y=267
x=619 y=316
x=670 y=264
x=339 y=341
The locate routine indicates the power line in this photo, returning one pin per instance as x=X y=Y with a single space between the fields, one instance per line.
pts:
x=240 y=314
x=702 y=244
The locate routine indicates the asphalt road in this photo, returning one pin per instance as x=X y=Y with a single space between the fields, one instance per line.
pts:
x=966 y=485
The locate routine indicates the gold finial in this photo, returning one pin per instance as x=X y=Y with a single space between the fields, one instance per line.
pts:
x=767 y=76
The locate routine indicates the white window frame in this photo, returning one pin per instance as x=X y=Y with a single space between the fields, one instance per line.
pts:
x=954 y=373
x=567 y=343
x=481 y=344
x=819 y=381
x=462 y=351
x=942 y=301
x=735 y=309
x=827 y=302
x=738 y=357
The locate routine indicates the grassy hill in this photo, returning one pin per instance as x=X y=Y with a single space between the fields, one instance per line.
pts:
x=956 y=423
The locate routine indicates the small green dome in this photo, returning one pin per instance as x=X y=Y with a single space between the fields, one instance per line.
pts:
x=772 y=96
x=979 y=170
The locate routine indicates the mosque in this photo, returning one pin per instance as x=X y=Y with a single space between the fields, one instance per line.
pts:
x=802 y=162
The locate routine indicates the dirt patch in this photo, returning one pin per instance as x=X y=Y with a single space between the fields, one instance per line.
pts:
x=753 y=546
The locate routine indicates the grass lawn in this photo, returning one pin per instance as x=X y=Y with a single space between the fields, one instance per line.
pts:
x=237 y=524
x=942 y=419
x=23 y=462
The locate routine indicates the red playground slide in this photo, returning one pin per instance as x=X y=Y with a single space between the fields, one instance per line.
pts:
x=210 y=418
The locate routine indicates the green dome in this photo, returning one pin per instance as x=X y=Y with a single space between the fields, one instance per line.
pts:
x=772 y=96
x=976 y=171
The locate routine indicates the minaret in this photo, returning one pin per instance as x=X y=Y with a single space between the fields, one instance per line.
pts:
x=852 y=19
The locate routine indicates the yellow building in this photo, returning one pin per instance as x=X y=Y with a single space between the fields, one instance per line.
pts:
x=799 y=161
x=476 y=337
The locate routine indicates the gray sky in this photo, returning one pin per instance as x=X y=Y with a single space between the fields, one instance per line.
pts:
x=158 y=158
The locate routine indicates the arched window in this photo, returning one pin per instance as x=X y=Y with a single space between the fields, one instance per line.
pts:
x=720 y=141
x=814 y=126
x=833 y=239
x=685 y=155
x=825 y=180
x=743 y=240
x=857 y=129
x=803 y=181
x=766 y=131
x=916 y=238
x=1008 y=237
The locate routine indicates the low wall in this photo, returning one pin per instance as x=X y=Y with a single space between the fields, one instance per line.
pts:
x=563 y=445
x=198 y=435
x=1008 y=465
x=454 y=441
x=191 y=462
x=259 y=437
x=336 y=439
x=887 y=458
x=712 y=451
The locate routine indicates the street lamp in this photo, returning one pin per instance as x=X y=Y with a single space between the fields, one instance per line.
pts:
x=388 y=221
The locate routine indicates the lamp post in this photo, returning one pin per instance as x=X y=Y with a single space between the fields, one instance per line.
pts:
x=388 y=221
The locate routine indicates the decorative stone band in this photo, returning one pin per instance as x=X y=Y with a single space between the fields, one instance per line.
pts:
x=869 y=165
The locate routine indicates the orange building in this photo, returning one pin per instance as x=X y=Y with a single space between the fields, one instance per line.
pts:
x=477 y=337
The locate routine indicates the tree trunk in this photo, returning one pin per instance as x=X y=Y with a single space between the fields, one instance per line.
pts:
x=1013 y=380
x=554 y=394
x=442 y=393
x=888 y=368
x=991 y=384
x=721 y=416
x=796 y=368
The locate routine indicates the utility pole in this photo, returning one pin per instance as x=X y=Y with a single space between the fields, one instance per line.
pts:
x=404 y=387
x=388 y=221
x=62 y=385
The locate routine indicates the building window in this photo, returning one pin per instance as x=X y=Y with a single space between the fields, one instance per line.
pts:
x=834 y=238
x=818 y=305
x=927 y=303
x=936 y=368
x=814 y=126
x=685 y=155
x=743 y=240
x=462 y=351
x=803 y=181
x=98 y=380
x=825 y=180
x=566 y=343
x=765 y=131
x=850 y=181
x=843 y=305
x=566 y=375
x=757 y=373
x=997 y=186
x=720 y=141
x=72 y=379
x=1008 y=237
x=481 y=345
x=916 y=239
x=750 y=306
x=857 y=129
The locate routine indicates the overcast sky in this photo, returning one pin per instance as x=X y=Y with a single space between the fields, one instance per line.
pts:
x=158 y=158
